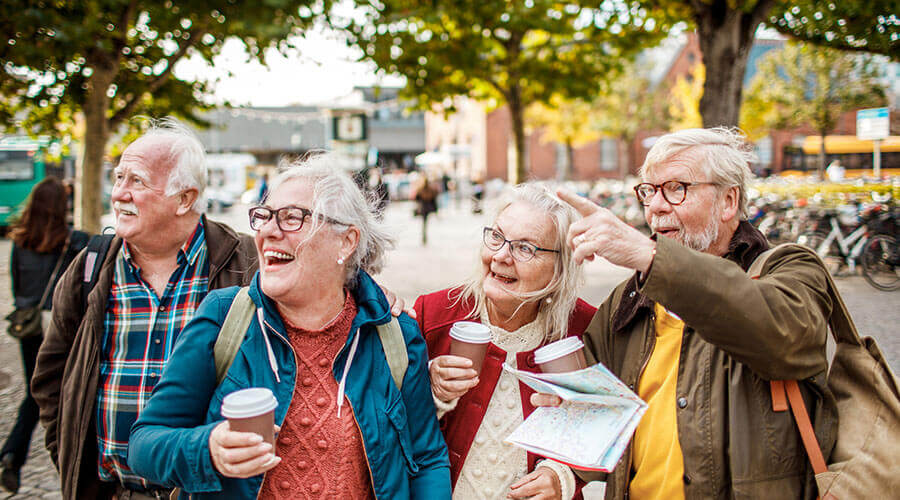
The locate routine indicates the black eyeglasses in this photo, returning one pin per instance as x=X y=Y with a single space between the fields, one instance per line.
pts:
x=289 y=218
x=673 y=192
x=521 y=250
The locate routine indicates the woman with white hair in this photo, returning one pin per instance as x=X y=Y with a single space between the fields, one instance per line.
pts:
x=346 y=428
x=524 y=290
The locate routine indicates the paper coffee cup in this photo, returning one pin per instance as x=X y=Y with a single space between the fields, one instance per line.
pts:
x=470 y=340
x=252 y=410
x=564 y=355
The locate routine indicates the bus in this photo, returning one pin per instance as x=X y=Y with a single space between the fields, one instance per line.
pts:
x=853 y=154
x=21 y=167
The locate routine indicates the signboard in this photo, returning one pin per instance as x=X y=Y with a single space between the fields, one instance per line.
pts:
x=872 y=124
x=350 y=128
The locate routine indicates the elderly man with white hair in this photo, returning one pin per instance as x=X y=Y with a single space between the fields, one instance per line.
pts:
x=698 y=339
x=106 y=347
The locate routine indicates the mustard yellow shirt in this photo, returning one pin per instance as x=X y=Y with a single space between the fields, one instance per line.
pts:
x=657 y=461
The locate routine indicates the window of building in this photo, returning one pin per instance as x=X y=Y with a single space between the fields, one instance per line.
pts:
x=608 y=154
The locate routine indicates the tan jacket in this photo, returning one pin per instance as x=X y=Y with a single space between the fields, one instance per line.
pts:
x=739 y=334
x=68 y=365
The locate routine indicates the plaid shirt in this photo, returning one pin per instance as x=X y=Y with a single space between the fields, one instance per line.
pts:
x=139 y=331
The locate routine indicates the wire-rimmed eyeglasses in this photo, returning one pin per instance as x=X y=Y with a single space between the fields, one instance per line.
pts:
x=673 y=192
x=521 y=250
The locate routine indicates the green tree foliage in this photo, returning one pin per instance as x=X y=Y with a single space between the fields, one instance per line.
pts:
x=726 y=29
x=870 y=26
x=566 y=122
x=512 y=52
x=109 y=60
x=803 y=84
x=627 y=105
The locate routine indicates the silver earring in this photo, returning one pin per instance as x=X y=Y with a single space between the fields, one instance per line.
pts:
x=340 y=260
x=549 y=300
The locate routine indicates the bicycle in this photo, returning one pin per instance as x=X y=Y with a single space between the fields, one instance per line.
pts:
x=870 y=243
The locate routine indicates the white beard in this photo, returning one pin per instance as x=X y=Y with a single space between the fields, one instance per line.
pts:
x=696 y=241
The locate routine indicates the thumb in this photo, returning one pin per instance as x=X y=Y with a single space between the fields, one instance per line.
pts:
x=583 y=205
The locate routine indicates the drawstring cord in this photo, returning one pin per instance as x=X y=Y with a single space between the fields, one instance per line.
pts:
x=340 y=394
x=262 y=327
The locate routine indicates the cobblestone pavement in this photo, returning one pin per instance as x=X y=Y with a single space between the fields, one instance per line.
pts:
x=454 y=235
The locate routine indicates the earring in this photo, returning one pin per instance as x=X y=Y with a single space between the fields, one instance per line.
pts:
x=549 y=300
x=340 y=260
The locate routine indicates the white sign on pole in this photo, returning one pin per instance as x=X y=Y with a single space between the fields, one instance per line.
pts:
x=872 y=124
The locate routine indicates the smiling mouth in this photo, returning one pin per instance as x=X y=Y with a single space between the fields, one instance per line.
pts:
x=274 y=257
x=506 y=280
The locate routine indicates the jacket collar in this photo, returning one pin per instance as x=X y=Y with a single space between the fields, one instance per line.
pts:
x=221 y=243
x=372 y=306
x=746 y=244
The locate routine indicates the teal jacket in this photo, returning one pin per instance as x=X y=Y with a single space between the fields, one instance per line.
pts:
x=406 y=452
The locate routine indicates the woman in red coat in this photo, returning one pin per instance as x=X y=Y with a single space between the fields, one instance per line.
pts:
x=524 y=290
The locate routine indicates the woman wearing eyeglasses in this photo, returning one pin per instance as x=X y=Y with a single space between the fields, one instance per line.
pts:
x=346 y=429
x=524 y=290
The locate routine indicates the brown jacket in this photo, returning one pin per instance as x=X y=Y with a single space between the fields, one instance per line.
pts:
x=67 y=373
x=739 y=334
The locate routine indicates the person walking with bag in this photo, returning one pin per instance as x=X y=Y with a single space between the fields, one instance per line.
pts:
x=426 y=204
x=43 y=246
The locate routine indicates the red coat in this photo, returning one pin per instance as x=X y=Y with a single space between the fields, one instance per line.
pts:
x=436 y=313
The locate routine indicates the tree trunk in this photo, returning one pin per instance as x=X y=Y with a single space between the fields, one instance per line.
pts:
x=726 y=36
x=624 y=147
x=820 y=168
x=569 y=167
x=516 y=111
x=88 y=191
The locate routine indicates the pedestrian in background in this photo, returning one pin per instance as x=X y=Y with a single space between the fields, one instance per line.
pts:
x=43 y=246
x=426 y=204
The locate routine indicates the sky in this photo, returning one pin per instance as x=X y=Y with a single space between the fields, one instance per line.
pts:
x=321 y=68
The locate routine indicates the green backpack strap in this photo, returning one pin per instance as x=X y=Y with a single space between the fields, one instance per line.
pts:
x=239 y=316
x=394 y=350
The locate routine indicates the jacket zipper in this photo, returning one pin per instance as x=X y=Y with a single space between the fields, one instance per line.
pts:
x=264 y=327
x=648 y=353
x=363 y=442
x=353 y=414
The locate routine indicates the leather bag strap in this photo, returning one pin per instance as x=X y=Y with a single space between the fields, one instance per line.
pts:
x=798 y=408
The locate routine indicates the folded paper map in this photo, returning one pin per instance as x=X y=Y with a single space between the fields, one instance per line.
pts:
x=591 y=428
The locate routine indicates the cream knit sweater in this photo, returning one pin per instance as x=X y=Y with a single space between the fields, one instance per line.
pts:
x=493 y=465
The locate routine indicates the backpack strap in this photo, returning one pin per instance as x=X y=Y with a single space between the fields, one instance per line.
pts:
x=394 y=350
x=240 y=313
x=97 y=248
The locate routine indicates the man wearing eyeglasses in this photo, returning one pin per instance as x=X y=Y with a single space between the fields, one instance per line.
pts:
x=698 y=339
x=103 y=354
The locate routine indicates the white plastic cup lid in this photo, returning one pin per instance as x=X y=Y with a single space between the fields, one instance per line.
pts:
x=557 y=349
x=471 y=332
x=248 y=403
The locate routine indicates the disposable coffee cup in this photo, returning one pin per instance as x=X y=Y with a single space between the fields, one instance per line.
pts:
x=252 y=410
x=470 y=340
x=564 y=355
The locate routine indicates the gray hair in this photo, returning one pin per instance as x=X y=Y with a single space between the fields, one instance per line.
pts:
x=187 y=157
x=722 y=153
x=339 y=202
x=553 y=316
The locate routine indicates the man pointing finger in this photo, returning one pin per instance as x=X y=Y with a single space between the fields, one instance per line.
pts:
x=603 y=234
x=698 y=339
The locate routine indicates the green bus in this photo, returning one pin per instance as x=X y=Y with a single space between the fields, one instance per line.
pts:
x=21 y=167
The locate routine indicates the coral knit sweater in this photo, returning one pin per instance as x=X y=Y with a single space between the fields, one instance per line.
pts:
x=322 y=455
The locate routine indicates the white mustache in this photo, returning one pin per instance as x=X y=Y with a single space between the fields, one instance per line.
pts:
x=125 y=207
x=659 y=221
